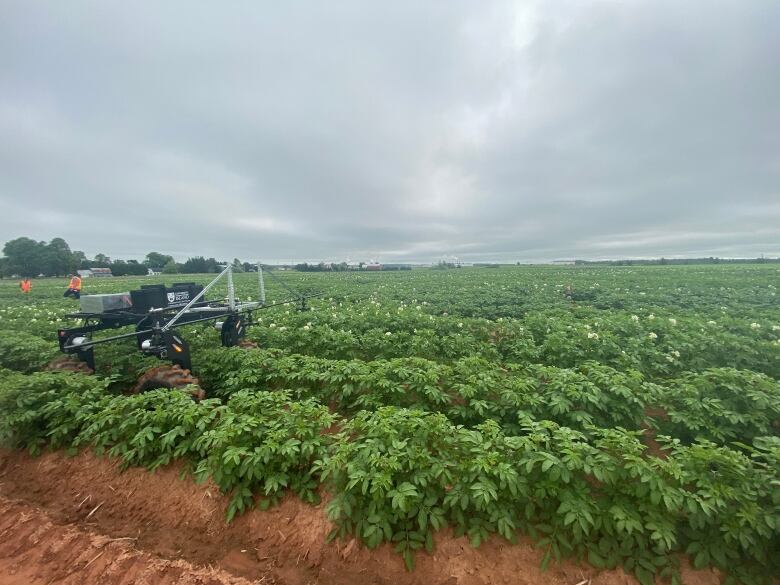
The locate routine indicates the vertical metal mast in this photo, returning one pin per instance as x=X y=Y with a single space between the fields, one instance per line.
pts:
x=231 y=289
x=261 y=283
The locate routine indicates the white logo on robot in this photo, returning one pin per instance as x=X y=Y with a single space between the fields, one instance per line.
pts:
x=177 y=297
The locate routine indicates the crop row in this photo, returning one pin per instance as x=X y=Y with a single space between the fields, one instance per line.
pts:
x=657 y=346
x=719 y=404
x=398 y=475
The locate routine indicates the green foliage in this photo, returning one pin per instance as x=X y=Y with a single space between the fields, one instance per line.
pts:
x=264 y=443
x=398 y=475
x=256 y=442
x=157 y=261
x=150 y=429
x=24 y=352
x=502 y=402
x=43 y=409
x=722 y=405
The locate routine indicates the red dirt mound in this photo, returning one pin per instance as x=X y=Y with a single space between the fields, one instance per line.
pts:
x=33 y=550
x=172 y=521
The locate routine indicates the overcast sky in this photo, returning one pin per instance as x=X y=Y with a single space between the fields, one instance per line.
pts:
x=400 y=131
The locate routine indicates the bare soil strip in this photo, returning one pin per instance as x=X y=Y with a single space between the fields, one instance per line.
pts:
x=34 y=549
x=81 y=520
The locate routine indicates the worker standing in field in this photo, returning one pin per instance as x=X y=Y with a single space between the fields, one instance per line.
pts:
x=26 y=286
x=74 y=288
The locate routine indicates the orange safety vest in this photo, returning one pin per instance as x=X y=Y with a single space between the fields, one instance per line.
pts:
x=75 y=283
x=26 y=286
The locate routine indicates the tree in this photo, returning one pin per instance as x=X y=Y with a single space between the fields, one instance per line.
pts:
x=135 y=268
x=237 y=266
x=25 y=257
x=119 y=268
x=212 y=266
x=157 y=261
x=170 y=267
x=79 y=261
x=57 y=258
x=197 y=265
x=131 y=267
x=102 y=261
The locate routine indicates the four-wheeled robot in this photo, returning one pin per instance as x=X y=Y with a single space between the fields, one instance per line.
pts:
x=155 y=312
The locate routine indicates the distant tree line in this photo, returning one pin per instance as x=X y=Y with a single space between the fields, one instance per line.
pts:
x=31 y=258
x=326 y=267
x=444 y=265
x=677 y=261
x=344 y=267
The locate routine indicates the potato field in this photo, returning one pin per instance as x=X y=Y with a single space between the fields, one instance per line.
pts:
x=610 y=422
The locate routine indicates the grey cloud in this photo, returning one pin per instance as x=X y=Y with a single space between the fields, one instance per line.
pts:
x=405 y=131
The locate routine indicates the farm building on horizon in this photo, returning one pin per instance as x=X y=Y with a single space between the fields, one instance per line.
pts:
x=564 y=262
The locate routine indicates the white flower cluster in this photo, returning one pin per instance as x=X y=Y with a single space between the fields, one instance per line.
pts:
x=652 y=335
x=592 y=335
x=755 y=326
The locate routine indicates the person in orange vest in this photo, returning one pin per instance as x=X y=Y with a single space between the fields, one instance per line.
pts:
x=26 y=286
x=74 y=288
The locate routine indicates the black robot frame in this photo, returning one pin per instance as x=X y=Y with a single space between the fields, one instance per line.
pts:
x=157 y=311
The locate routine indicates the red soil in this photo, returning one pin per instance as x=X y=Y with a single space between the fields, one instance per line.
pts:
x=81 y=520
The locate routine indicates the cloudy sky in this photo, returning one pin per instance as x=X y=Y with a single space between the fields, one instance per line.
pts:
x=401 y=131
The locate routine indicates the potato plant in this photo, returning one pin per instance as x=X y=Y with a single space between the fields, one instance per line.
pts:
x=619 y=415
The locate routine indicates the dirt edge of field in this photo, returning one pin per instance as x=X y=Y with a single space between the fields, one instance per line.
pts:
x=35 y=549
x=57 y=513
